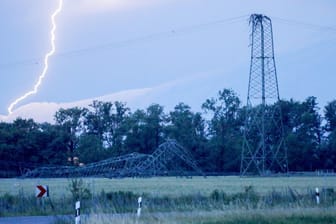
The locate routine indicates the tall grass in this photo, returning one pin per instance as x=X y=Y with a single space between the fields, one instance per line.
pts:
x=171 y=186
x=175 y=200
x=236 y=216
x=126 y=202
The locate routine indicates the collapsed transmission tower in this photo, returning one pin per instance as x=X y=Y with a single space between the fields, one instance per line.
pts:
x=170 y=158
x=264 y=149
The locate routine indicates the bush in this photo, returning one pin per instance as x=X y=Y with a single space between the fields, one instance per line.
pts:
x=79 y=190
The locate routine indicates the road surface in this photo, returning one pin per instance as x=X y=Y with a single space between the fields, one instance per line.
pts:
x=28 y=220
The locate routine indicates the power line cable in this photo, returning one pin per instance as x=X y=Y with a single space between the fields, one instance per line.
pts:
x=164 y=34
x=305 y=25
x=123 y=43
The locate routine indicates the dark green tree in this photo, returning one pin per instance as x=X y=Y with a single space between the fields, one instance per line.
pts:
x=188 y=128
x=303 y=124
x=224 y=131
x=135 y=126
x=154 y=129
x=106 y=121
x=90 y=149
x=70 y=125
x=328 y=155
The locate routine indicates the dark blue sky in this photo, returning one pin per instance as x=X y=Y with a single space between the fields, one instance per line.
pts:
x=183 y=50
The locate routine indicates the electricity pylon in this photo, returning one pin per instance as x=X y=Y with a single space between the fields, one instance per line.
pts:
x=264 y=149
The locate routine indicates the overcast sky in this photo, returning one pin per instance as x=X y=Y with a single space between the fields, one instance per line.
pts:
x=181 y=50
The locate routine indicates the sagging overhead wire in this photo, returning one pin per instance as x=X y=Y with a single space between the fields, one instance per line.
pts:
x=305 y=25
x=165 y=34
x=123 y=43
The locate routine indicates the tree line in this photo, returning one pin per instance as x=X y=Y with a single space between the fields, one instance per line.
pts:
x=214 y=136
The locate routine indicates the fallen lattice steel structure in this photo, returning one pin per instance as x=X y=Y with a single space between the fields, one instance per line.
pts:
x=170 y=158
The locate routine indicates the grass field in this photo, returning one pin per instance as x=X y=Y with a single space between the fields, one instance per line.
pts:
x=208 y=200
x=170 y=186
x=273 y=216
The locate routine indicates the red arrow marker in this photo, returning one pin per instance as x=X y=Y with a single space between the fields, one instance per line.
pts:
x=42 y=189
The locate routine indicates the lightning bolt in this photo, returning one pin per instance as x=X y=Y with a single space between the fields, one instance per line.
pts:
x=46 y=59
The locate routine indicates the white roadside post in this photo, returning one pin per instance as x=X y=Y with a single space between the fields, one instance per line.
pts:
x=77 y=217
x=139 y=206
x=317 y=195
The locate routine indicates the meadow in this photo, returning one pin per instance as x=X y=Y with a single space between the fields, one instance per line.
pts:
x=229 y=199
x=170 y=186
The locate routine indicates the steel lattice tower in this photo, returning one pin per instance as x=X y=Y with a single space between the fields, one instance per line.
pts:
x=264 y=149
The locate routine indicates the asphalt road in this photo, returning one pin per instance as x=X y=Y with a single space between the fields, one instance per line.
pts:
x=117 y=218
x=28 y=220
x=52 y=219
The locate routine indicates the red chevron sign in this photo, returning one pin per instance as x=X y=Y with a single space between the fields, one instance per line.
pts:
x=41 y=191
